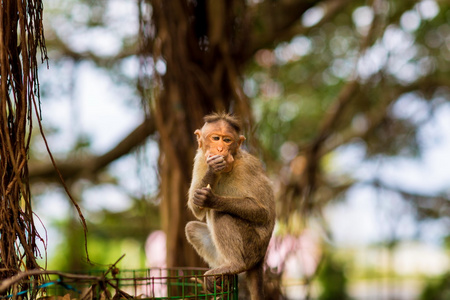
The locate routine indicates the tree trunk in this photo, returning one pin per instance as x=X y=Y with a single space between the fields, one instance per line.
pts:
x=201 y=76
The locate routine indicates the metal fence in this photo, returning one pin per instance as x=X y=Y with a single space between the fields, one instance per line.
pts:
x=179 y=283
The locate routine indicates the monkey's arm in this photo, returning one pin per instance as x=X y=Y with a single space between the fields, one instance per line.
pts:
x=247 y=208
x=211 y=168
x=209 y=178
x=199 y=212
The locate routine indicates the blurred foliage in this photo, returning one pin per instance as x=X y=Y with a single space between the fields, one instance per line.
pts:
x=295 y=83
x=333 y=280
x=438 y=289
x=398 y=55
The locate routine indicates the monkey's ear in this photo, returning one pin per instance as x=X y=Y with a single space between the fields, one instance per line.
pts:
x=198 y=133
x=241 y=140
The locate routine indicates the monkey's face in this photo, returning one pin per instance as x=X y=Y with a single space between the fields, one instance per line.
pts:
x=219 y=138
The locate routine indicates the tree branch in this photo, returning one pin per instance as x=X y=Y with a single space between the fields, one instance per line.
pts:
x=92 y=164
x=377 y=114
x=432 y=206
x=331 y=8
x=273 y=22
x=268 y=19
x=64 y=50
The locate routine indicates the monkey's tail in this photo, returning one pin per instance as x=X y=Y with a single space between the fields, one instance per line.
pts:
x=255 y=281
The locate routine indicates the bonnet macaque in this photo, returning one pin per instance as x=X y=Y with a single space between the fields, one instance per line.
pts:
x=231 y=191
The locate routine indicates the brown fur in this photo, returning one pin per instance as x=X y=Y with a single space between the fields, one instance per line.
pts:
x=239 y=210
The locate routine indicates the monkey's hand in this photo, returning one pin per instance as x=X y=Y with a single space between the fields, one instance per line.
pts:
x=204 y=197
x=217 y=163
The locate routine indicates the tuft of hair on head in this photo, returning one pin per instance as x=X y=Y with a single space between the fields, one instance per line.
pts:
x=224 y=116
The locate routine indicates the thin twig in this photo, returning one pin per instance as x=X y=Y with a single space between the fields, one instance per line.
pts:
x=5 y=284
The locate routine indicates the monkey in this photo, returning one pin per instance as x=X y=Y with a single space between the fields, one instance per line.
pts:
x=230 y=189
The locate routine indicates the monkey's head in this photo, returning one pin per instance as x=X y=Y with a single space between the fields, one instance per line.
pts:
x=220 y=136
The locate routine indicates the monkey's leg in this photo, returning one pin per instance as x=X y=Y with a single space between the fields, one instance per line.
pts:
x=215 y=283
x=230 y=268
x=198 y=234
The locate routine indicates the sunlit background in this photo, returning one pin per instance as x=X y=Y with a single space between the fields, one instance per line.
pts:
x=384 y=220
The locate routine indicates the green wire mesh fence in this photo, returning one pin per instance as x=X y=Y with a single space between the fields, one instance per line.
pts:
x=179 y=283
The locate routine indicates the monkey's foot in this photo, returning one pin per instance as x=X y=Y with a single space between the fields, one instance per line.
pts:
x=217 y=283
x=213 y=284
x=199 y=281
x=209 y=285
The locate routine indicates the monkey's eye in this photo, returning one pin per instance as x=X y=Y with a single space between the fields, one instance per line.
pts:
x=215 y=138
x=227 y=140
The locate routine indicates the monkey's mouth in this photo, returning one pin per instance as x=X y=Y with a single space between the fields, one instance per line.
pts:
x=229 y=160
